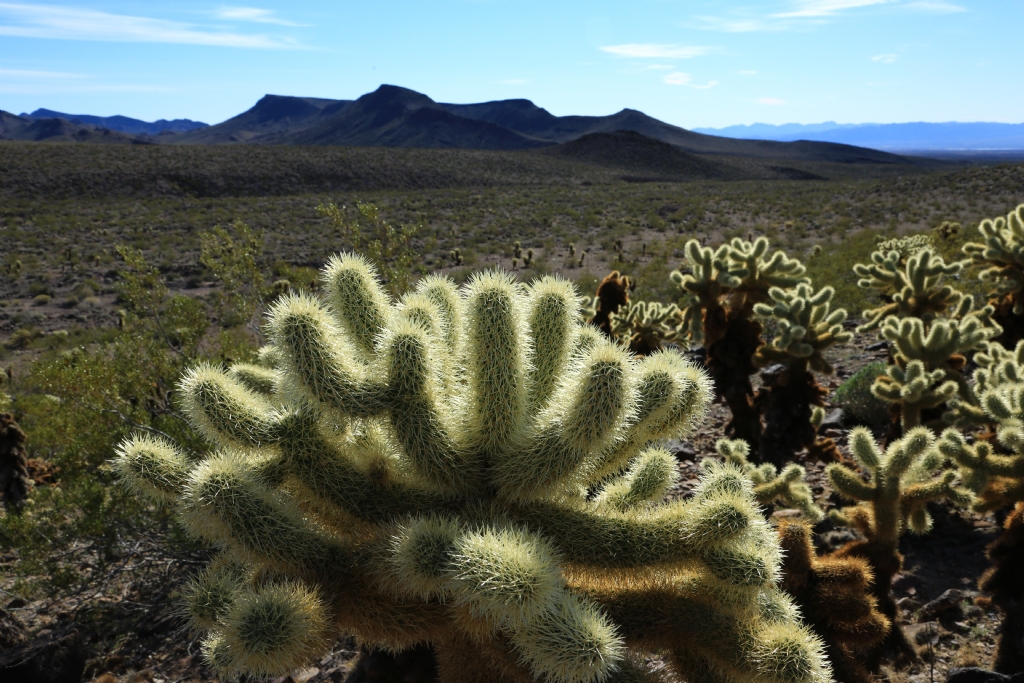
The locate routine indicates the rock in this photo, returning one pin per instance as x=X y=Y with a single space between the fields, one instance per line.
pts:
x=877 y=346
x=948 y=600
x=835 y=539
x=908 y=603
x=976 y=675
x=905 y=583
x=56 y=658
x=684 y=451
x=12 y=631
x=833 y=419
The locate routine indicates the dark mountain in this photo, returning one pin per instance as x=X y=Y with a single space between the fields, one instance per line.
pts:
x=891 y=136
x=642 y=157
x=398 y=117
x=121 y=124
x=61 y=130
x=273 y=114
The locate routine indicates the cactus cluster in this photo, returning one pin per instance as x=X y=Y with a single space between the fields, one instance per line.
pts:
x=930 y=326
x=15 y=483
x=474 y=469
x=891 y=494
x=646 y=325
x=720 y=291
x=1002 y=256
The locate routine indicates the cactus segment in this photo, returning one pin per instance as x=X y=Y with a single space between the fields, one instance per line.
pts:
x=153 y=467
x=361 y=307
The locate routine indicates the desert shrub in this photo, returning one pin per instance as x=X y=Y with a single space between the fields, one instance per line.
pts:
x=856 y=399
x=41 y=299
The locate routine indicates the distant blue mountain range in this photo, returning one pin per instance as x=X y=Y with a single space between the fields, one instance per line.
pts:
x=902 y=137
x=121 y=124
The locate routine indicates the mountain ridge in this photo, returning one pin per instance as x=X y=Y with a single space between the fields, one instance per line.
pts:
x=911 y=136
x=120 y=124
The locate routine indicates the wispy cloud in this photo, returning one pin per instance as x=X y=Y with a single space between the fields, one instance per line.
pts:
x=935 y=6
x=69 y=23
x=680 y=78
x=771 y=101
x=747 y=72
x=253 y=14
x=887 y=58
x=45 y=75
x=806 y=14
x=826 y=8
x=656 y=51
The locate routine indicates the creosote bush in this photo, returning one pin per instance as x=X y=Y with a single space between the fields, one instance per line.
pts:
x=420 y=473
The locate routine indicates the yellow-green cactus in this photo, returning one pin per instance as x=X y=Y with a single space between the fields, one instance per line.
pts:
x=806 y=329
x=469 y=468
x=1002 y=255
x=646 y=325
x=787 y=488
x=720 y=293
x=927 y=360
x=912 y=281
x=891 y=494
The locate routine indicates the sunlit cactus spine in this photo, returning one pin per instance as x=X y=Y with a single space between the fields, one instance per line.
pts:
x=1002 y=257
x=900 y=482
x=835 y=598
x=646 y=325
x=787 y=488
x=720 y=291
x=474 y=469
x=806 y=329
x=911 y=280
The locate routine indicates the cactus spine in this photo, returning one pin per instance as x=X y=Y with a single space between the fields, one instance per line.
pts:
x=646 y=325
x=420 y=475
x=787 y=488
x=721 y=289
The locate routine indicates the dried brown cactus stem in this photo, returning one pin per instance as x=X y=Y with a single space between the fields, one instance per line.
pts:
x=786 y=403
x=730 y=363
x=1002 y=581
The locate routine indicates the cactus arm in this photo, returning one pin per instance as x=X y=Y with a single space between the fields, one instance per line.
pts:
x=497 y=352
x=255 y=378
x=153 y=467
x=358 y=300
x=226 y=412
x=553 y=306
x=646 y=481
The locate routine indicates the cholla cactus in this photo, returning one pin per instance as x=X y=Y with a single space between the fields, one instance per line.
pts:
x=911 y=280
x=834 y=596
x=900 y=483
x=721 y=289
x=1003 y=584
x=421 y=475
x=787 y=488
x=931 y=326
x=806 y=329
x=1002 y=254
x=646 y=325
x=612 y=294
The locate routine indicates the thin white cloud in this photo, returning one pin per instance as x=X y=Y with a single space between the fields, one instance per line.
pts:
x=658 y=67
x=935 y=7
x=680 y=78
x=655 y=51
x=826 y=8
x=46 y=75
x=806 y=14
x=747 y=72
x=771 y=101
x=253 y=14
x=30 y=88
x=888 y=58
x=69 y=23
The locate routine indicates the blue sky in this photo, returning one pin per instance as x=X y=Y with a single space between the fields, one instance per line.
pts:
x=690 y=63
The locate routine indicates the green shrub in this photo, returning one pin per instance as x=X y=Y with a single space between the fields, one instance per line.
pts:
x=41 y=299
x=855 y=398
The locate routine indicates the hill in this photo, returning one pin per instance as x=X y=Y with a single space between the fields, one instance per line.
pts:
x=120 y=124
x=61 y=130
x=642 y=157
